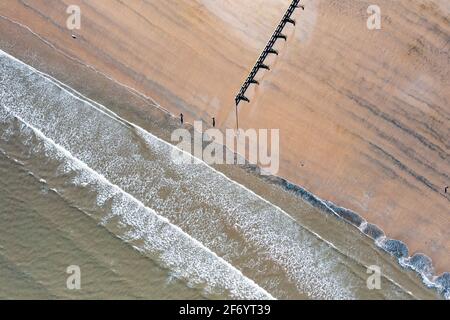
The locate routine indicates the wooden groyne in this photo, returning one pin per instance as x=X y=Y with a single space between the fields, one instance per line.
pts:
x=278 y=34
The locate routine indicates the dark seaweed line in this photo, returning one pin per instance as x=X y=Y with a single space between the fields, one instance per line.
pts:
x=419 y=262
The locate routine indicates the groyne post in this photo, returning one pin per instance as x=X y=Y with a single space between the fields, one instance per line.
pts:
x=267 y=50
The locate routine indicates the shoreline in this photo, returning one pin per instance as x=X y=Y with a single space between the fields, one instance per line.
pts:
x=419 y=263
x=361 y=114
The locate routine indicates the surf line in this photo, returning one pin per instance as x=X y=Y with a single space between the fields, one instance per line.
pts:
x=103 y=179
x=104 y=110
x=51 y=45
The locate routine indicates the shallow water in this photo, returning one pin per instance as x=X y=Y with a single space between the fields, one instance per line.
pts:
x=93 y=190
x=42 y=233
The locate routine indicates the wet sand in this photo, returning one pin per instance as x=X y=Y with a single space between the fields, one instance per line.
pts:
x=367 y=112
x=42 y=233
x=342 y=251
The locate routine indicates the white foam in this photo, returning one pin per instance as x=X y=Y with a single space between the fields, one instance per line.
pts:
x=136 y=92
x=212 y=269
x=267 y=227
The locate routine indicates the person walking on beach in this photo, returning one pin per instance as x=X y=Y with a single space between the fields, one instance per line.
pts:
x=181 y=118
x=214 y=122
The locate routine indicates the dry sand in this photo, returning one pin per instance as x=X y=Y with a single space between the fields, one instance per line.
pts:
x=366 y=112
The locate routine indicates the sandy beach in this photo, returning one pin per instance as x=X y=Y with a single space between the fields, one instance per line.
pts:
x=58 y=210
x=363 y=115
